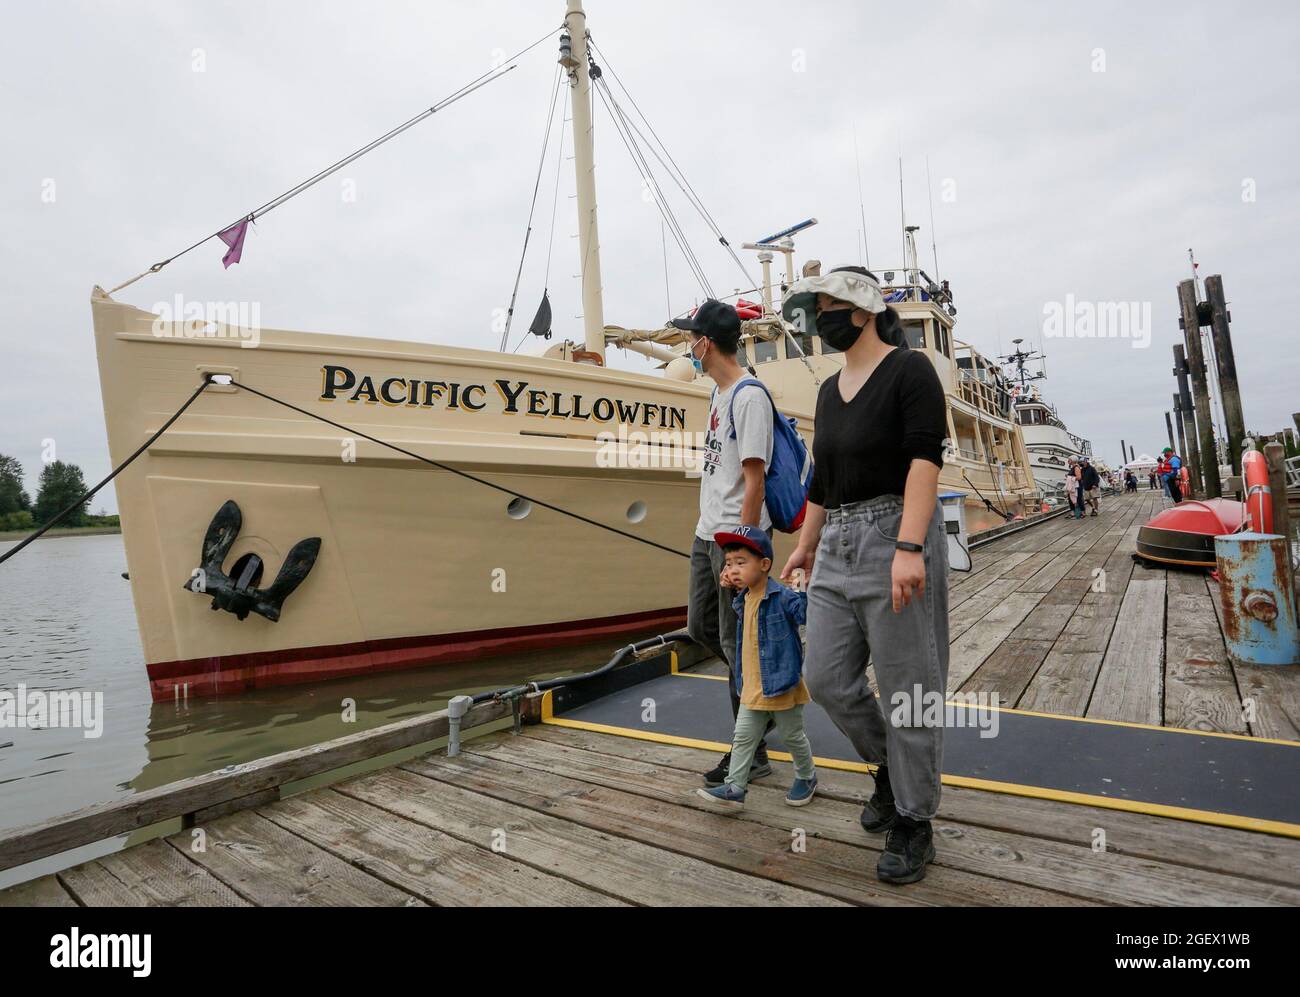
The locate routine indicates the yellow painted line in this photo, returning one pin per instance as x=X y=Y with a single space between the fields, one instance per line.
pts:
x=711 y=678
x=965 y=782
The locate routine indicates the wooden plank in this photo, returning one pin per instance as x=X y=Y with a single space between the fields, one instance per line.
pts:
x=616 y=866
x=270 y=867
x=46 y=891
x=1130 y=684
x=433 y=866
x=1008 y=670
x=764 y=852
x=148 y=875
x=968 y=652
x=663 y=812
x=1249 y=855
x=1074 y=869
x=1200 y=689
x=131 y=813
x=1270 y=696
x=1063 y=683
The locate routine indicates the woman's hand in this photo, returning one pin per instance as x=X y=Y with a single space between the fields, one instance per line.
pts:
x=908 y=577
x=801 y=558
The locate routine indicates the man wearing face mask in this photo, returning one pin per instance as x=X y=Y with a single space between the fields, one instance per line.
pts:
x=732 y=490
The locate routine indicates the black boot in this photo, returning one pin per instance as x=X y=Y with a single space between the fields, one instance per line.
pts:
x=717 y=775
x=909 y=846
x=879 y=813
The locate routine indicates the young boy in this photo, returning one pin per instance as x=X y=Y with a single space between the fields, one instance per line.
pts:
x=769 y=672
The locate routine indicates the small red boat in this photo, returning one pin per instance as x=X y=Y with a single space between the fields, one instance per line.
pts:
x=1185 y=534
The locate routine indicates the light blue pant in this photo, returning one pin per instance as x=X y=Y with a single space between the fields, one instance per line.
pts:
x=750 y=725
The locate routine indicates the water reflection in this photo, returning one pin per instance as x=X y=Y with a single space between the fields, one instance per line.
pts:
x=67 y=622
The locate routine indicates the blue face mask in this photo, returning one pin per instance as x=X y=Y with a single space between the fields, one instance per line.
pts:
x=695 y=361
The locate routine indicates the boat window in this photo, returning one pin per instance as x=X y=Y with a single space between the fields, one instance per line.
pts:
x=915 y=332
x=805 y=342
x=944 y=348
x=764 y=350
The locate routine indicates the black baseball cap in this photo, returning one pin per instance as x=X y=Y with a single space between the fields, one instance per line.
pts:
x=713 y=320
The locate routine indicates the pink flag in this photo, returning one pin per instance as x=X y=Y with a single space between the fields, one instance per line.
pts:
x=234 y=238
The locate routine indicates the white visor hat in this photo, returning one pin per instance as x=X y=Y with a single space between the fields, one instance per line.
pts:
x=800 y=305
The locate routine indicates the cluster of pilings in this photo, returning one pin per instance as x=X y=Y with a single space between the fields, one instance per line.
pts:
x=1191 y=413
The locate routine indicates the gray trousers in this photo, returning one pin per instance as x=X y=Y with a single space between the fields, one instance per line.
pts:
x=710 y=619
x=851 y=618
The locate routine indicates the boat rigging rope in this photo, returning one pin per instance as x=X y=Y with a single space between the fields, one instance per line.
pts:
x=464 y=91
x=537 y=185
x=113 y=474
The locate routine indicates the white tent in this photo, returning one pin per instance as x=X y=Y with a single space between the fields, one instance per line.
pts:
x=1143 y=464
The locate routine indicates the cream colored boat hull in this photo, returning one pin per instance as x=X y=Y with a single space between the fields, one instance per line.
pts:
x=416 y=564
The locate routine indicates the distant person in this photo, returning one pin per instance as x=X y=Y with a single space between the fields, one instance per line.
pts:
x=769 y=679
x=1173 y=474
x=1072 y=494
x=1151 y=481
x=732 y=490
x=1091 y=482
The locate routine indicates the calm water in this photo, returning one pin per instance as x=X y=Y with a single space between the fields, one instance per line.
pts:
x=67 y=623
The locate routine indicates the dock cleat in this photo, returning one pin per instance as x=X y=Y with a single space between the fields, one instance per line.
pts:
x=723 y=799
x=801 y=792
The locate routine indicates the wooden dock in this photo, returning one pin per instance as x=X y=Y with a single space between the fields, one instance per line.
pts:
x=1058 y=619
x=555 y=815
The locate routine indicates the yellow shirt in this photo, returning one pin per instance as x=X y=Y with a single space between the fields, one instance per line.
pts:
x=751 y=688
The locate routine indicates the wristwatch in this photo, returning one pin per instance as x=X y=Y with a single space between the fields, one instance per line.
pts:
x=910 y=547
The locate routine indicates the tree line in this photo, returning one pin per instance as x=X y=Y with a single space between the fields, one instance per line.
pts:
x=61 y=484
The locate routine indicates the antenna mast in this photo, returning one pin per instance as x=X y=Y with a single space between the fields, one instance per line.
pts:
x=573 y=57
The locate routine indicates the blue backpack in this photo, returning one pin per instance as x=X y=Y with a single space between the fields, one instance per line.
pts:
x=789 y=473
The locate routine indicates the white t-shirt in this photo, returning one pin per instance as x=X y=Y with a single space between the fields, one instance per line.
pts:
x=722 y=480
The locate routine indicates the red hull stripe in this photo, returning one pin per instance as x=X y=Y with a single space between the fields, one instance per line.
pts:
x=291 y=666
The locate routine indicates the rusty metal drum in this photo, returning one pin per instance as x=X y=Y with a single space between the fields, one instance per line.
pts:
x=1258 y=595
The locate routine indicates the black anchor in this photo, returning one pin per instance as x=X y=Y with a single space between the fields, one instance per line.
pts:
x=239 y=595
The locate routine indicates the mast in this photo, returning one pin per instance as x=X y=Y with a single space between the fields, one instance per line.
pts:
x=584 y=164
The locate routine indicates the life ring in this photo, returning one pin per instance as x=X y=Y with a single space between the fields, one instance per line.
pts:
x=1259 y=496
x=748 y=309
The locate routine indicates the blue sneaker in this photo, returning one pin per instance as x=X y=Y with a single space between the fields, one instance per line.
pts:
x=724 y=799
x=801 y=792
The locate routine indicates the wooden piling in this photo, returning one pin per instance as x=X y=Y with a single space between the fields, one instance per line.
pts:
x=1181 y=446
x=1235 y=422
x=1209 y=458
x=1191 y=454
x=1275 y=461
x=1169 y=427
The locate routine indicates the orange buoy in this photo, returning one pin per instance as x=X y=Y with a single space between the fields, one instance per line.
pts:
x=1259 y=496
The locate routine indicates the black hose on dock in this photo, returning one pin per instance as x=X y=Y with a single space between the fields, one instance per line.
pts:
x=620 y=657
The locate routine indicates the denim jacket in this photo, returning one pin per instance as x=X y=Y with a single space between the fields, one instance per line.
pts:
x=780 y=652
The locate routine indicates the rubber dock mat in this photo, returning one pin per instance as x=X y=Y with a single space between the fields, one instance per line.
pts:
x=1224 y=779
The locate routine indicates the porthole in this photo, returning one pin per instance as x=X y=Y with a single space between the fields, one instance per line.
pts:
x=519 y=508
x=636 y=511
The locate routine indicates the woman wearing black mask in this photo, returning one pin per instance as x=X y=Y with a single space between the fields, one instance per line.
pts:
x=874 y=533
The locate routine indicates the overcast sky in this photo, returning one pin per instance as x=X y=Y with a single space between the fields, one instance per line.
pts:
x=1074 y=151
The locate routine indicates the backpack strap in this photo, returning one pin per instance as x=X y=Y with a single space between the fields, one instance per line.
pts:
x=731 y=413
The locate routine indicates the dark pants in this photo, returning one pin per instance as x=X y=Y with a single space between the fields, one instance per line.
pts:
x=1175 y=492
x=710 y=618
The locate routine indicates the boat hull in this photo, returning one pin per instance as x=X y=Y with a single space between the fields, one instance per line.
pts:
x=1184 y=535
x=417 y=565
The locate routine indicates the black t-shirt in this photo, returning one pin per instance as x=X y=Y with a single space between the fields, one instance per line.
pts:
x=865 y=447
